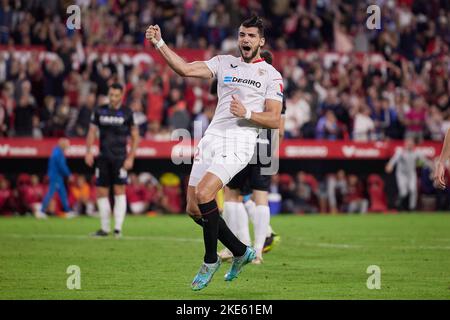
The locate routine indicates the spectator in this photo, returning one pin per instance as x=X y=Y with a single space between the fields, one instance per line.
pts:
x=6 y=196
x=354 y=199
x=434 y=121
x=84 y=116
x=415 y=120
x=178 y=115
x=80 y=194
x=34 y=194
x=363 y=125
x=337 y=188
x=139 y=116
x=328 y=127
x=298 y=112
x=205 y=117
x=136 y=195
x=3 y=121
x=171 y=193
x=306 y=188
x=23 y=117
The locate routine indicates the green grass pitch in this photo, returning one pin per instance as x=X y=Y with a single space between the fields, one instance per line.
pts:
x=319 y=257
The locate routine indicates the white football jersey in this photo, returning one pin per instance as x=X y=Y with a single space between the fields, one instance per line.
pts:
x=252 y=83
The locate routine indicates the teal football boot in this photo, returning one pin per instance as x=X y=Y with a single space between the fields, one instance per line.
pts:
x=239 y=262
x=205 y=275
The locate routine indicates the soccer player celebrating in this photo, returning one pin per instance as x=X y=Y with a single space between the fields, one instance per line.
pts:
x=249 y=98
x=115 y=123
x=252 y=178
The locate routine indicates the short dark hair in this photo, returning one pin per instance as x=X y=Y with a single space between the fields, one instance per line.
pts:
x=254 y=21
x=117 y=86
x=267 y=56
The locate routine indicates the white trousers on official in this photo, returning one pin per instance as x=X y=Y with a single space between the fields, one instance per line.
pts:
x=407 y=184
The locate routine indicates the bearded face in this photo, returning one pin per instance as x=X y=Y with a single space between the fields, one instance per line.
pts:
x=250 y=43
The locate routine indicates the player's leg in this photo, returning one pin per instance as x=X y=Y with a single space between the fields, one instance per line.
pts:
x=229 y=216
x=202 y=203
x=61 y=189
x=231 y=197
x=260 y=184
x=202 y=161
x=49 y=195
x=402 y=185
x=262 y=221
x=205 y=195
x=119 y=180
x=412 y=190
x=104 y=209
x=120 y=208
x=237 y=215
x=103 y=182
x=231 y=158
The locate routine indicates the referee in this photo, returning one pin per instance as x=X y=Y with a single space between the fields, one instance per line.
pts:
x=115 y=124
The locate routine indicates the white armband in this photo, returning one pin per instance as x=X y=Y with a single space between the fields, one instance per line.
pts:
x=160 y=43
x=248 y=114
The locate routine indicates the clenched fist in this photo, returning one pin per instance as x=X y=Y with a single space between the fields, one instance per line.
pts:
x=237 y=108
x=439 y=176
x=153 y=34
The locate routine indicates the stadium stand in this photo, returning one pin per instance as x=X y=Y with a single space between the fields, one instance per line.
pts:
x=342 y=81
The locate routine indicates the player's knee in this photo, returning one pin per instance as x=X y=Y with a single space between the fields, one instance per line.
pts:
x=203 y=195
x=193 y=211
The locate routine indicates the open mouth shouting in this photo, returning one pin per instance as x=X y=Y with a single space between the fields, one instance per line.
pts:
x=246 y=48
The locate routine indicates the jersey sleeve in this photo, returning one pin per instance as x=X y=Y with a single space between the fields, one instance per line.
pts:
x=94 y=117
x=275 y=87
x=213 y=65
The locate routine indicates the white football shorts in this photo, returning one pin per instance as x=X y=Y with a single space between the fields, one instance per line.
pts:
x=222 y=156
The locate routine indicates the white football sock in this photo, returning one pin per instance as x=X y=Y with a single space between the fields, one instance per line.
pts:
x=120 y=210
x=104 y=209
x=230 y=216
x=262 y=221
x=250 y=206
x=243 y=233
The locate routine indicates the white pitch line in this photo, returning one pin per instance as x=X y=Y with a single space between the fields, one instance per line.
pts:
x=356 y=246
x=176 y=239
x=87 y=237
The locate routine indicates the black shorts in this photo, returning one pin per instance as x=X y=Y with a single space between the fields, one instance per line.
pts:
x=250 y=178
x=110 y=172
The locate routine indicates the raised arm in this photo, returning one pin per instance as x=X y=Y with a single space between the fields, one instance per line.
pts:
x=197 y=69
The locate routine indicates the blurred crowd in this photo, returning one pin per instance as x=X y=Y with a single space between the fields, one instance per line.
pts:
x=145 y=195
x=301 y=193
x=404 y=93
